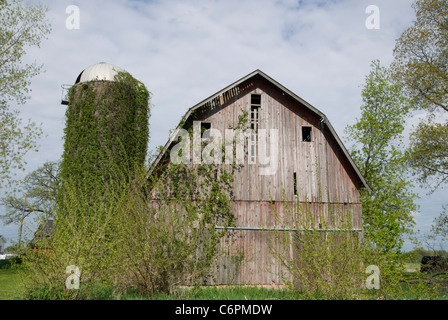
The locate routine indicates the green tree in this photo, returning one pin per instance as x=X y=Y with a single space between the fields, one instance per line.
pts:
x=22 y=26
x=420 y=66
x=378 y=151
x=38 y=196
x=421 y=56
x=428 y=152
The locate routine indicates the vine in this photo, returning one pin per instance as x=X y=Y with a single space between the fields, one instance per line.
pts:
x=107 y=122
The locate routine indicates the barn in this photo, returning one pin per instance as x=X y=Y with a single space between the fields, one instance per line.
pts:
x=290 y=155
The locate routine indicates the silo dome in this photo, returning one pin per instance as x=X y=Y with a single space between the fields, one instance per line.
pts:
x=99 y=71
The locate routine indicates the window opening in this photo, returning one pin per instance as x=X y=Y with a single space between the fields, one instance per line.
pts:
x=255 y=105
x=306 y=134
x=295 y=184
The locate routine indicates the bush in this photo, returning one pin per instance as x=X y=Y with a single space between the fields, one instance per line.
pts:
x=8 y=263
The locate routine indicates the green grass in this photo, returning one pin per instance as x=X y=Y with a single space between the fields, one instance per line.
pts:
x=10 y=284
x=412 y=267
x=11 y=288
x=229 y=293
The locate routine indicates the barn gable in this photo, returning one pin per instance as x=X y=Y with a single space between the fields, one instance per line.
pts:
x=249 y=84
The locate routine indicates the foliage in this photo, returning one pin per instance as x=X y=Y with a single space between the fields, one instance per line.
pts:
x=39 y=192
x=127 y=240
x=421 y=55
x=23 y=26
x=420 y=60
x=330 y=261
x=378 y=152
x=174 y=241
x=420 y=66
x=428 y=153
x=85 y=235
x=105 y=120
x=327 y=257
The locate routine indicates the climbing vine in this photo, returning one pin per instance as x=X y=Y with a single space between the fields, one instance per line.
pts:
x=107 y=122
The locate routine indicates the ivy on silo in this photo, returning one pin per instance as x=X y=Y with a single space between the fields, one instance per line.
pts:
x=107 y=130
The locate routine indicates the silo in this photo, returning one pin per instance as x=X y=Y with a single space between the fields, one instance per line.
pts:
x=106 y=133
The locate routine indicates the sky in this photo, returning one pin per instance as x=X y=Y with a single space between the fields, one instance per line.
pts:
x=185 y=51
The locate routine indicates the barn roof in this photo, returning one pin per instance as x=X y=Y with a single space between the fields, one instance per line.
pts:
x=231 y=90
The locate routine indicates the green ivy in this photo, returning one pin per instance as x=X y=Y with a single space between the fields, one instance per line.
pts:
x=107 y=130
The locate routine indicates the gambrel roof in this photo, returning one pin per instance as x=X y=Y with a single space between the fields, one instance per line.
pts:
x=233 y=89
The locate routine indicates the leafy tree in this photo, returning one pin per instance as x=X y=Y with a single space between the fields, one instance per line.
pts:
x=440 y=227
x=39 y=191
x=378 y=152
x=428 y=152
x=421 y=55
x=22 y=26
x=421 y=66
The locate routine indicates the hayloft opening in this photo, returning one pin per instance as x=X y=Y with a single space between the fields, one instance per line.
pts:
x=306 y=134
x=256 y=99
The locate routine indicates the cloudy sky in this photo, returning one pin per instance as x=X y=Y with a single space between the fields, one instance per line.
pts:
x=185 y=51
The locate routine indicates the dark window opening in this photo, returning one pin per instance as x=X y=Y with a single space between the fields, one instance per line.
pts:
x=306 y=134
x=295 y=183
x=255 y=104
x=256 y=99
x=205 y=126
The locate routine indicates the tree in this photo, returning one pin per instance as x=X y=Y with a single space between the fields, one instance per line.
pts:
x=421 y=66
x=421 y=56
x=428 y=152
x=39 y=194
x=377 y=150
x=23 y=26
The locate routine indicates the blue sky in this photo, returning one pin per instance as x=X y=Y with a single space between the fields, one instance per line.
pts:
x=184 y=51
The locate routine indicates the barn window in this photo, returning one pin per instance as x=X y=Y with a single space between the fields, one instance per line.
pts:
x=295 y=183
x=306 y=134
x=255 y=104
x=205 y=126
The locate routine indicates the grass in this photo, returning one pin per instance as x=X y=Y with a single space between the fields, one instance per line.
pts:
x=229 y=293
x=412 y=267
x=10 y=284
x=11 y=288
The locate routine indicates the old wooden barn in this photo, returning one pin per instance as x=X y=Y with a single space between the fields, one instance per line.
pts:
x=292 y=155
